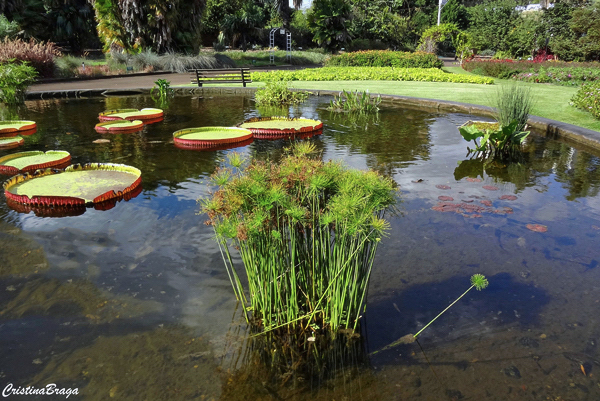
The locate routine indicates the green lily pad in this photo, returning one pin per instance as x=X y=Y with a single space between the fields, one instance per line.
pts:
x=264 y=127
x=13 y=127
x=117 y=126
x=131 y=114
x=76 y=185
x=33 y=160
x=11 y=142
x=204 y=137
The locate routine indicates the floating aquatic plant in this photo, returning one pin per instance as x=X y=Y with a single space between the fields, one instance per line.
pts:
x=348 y=102
x=307 y=232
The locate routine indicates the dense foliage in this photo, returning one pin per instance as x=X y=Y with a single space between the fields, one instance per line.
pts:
x=385 y=58
x=588 y=98
x=368 y=73
x=277 y=93
x=14 y=80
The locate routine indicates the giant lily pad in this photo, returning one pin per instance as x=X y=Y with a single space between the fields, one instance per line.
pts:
x=14 y=127
x=119 y=126
x=77 y=186
x=267 y=127
x=33 y=160
x=209 y=137
x=12 y=142
x=146 y=115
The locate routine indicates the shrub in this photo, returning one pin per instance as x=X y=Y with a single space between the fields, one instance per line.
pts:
x=277 y=92
x=369 y=74
x=588 y=98
x=385 y=58
x=40 y=55
x=14 y=80
x=8 y=29
x=570 y=76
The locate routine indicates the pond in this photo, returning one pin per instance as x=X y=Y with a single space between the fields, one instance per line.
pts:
x=133 y=303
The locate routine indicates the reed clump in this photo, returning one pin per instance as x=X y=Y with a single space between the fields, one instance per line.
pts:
x=307 y=232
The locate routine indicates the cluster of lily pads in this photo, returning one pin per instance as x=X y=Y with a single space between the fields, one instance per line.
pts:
x=211 y=138
x=47 y=183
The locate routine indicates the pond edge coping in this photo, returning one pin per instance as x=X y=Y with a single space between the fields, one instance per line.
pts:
x=544 y=126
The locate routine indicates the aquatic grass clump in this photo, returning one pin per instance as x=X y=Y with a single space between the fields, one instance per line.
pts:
x=307 y=232
x=348 y=102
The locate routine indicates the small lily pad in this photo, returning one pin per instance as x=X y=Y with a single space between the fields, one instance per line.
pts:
x=33 y=160
x=269 y=127
x=208 y=137
x=12 y=142
x=119 y=126
x=14 y=127
x=131 y=114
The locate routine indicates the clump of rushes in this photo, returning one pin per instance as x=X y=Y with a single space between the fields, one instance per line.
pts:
x=347 y=102
x=514 y=103
x=277 y=93
x=478 y=281
x=307 y=232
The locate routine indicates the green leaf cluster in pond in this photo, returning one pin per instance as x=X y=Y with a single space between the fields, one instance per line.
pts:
x=307 y=232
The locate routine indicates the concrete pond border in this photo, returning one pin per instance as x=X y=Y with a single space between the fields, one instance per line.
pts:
x=587 y=139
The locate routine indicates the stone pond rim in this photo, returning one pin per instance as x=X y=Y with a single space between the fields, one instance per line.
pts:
x=586 y=138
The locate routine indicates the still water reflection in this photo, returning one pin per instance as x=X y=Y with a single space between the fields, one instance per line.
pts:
x=133 y=303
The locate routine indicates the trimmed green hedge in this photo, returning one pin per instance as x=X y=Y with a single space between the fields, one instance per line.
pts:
x=368 y=74
x=588 y=98
x=385 y=58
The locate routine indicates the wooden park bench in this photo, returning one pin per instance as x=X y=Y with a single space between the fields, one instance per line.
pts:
x=221 y=76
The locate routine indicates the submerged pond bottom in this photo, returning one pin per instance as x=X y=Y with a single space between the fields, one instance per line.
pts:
x=133 y=303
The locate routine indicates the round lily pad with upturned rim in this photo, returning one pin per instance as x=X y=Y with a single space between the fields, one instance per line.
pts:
x=15 y=127
x=206 y=137
x=119 y=126
x=12 y=142
x=131 y=114
x=280 y=126
x=33 y=160
x=76 y=186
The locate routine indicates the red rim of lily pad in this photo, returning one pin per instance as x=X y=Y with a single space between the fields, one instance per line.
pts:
x=216 y=147
x=75 y=186
x=119 y=126
x=14 y=127
x=297 y=135
x=131 y=114
x=210 y=137
x=12 y=142
x=34 y=160
x=261 y=129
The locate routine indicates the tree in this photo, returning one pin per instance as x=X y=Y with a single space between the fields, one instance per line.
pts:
x=491 y=24
x=72 y=22
x=245 y=20
x=585 y=24
x=329 y=21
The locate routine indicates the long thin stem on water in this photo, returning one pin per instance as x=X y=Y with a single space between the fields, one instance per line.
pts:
x=449 y=306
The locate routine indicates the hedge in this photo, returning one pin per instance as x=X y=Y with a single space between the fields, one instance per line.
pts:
x=385 y=58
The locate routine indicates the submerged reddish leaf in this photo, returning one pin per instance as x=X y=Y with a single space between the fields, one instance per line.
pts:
x=538 y=228
x=441 y=186
x=446 y=198
x=486 y=202
x=474 y=179
x=490 y=187
x=508 y=197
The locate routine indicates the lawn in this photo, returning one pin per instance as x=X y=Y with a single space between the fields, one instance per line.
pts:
x=552 y=101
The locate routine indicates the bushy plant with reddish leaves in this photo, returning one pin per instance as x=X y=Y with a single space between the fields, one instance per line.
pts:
x=40 y=55
x=385 y=58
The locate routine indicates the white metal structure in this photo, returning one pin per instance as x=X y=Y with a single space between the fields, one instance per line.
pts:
x=288 y=44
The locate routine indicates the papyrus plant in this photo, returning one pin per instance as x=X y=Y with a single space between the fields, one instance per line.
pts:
x=306 y=231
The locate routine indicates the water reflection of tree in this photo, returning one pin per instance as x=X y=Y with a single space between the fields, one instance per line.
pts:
x=577 y=170
x=390 y=139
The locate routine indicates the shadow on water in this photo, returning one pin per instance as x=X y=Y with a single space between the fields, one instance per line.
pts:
x=504 y=303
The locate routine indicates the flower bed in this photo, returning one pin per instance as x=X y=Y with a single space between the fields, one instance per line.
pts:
x=588 y=98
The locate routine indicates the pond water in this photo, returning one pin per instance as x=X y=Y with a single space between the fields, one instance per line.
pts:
x=133 y=303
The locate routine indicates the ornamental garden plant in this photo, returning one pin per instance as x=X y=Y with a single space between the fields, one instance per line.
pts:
x=306 y=231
